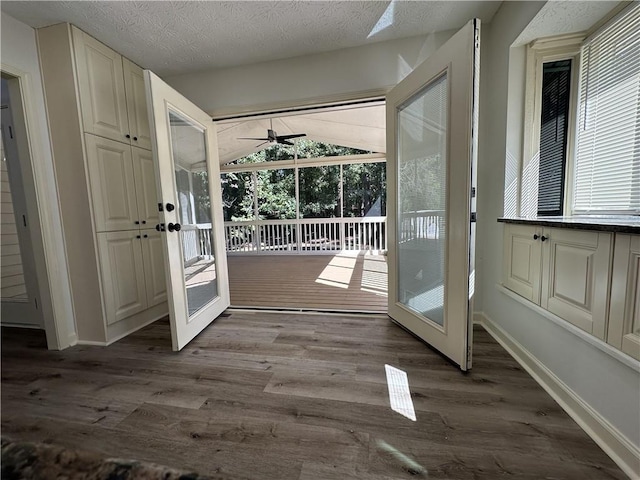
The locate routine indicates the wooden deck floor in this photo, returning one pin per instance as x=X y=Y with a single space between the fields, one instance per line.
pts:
x=347 y=281
x=276 y=396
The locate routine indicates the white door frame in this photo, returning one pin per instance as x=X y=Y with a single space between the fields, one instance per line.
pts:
x=44 y=212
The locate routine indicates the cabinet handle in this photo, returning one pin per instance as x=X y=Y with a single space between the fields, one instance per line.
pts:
x=128 y=136
x=536 y=236
x=543 y=238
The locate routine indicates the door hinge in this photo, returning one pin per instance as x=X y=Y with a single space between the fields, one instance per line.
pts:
x=473 y=217
x=10 y=132
x=160 y=209
x=473 y=192
x=24 y=220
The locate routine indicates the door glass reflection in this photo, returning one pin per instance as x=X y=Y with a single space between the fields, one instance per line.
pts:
x=188 y=145
x=422 y=194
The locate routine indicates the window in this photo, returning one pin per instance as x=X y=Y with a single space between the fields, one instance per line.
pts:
x=607 y=168
x=582 y=142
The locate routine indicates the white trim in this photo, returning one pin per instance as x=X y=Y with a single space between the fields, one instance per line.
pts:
x=621 y=450
x=585 y=336
x=55 y=257
x=304 y=162
x=293 y=107
x=295 y=311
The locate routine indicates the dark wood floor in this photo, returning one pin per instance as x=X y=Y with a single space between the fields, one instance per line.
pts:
x=285 y=396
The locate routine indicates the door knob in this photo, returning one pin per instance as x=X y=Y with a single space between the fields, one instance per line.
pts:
x=543 y=238
x=174 y=226
x=170 y=207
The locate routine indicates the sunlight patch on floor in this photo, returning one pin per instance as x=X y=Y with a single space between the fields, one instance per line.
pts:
x=339 y=271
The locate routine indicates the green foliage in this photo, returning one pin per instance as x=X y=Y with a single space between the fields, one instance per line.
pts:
x=364 y=185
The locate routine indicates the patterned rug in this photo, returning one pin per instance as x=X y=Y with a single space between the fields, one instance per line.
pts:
x=27 y=461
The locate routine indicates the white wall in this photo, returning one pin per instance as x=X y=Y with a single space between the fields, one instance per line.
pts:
x=609 y=387
x=375 y=67
x=19 y=55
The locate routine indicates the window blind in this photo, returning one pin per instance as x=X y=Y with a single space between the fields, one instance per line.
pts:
x=556 y=79
x=607 y=168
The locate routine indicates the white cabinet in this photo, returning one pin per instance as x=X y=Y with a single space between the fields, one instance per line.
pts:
x=624 y=318
x=96 y=104
x=101 y=87
x=522 y=255
x=576 y=279
x=113 y=189
x=146 y=191
x=136 y=105
x=132 y=267
x=123 y=276
x=153 y=258
x=112 y=94
x=123 y=185
x=565 y=271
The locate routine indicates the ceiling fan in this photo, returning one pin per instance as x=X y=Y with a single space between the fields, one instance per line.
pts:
x=273 y=137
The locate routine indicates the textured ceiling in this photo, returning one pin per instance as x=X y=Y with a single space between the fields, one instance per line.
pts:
x=182 y=37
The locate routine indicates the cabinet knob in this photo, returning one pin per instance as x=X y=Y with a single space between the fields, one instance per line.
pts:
x=144 y=222
x=536 y=236
x=137 y=236
x=145 y=236
x=128 y=136
x=135 y=139
x=543 y=238
x=137 y=222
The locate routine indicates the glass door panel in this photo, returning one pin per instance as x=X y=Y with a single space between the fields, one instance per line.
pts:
x=422 y=201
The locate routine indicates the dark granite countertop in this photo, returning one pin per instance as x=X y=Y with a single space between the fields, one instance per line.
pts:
x=606 y=223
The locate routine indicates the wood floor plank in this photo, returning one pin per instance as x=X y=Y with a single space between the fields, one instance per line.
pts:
x=287 y=396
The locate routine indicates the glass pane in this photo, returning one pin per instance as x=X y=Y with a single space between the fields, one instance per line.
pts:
x=188 y=147
x=422 y=193
x=237 y=196
x=364 y=189
x=276 y=194
x=320 y=192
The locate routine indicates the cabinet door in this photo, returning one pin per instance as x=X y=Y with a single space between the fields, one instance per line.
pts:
x=101 y=85
x=575 y=277
x=522 y=260
x=153 y=256
x=136 y=105
x=112 y=184
x=122 y=273
x=145 y=185
x=624 y=317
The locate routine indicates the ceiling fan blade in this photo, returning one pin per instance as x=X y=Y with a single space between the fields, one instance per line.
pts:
x=253 y=138
x=284 y=142
x=263 y=143
x=295 y=135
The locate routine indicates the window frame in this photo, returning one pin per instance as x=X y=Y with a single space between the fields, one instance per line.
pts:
x=539 y=52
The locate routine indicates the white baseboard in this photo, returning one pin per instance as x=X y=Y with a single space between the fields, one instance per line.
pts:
x=621 y=450
x=91 y=343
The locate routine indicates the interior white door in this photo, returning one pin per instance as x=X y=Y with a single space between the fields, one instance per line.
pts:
x=431 y=155
x=196 y=264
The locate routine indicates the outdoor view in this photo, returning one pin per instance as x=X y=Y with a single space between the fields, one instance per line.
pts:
x=324 y=194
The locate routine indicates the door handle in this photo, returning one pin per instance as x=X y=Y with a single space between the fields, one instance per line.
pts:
x=160 y=227
x=170 y=207
x=174 y=226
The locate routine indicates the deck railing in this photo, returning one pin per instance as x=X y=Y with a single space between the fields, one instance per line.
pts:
x=306 y=235
x=309 y=235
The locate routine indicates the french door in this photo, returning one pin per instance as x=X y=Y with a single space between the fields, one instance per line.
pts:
x=188 y=177
x=431 y=158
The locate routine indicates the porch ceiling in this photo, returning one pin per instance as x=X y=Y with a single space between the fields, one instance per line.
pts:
x=361 y=127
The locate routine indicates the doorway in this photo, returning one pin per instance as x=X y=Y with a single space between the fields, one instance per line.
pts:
x=304 y=199
x=20 y=292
